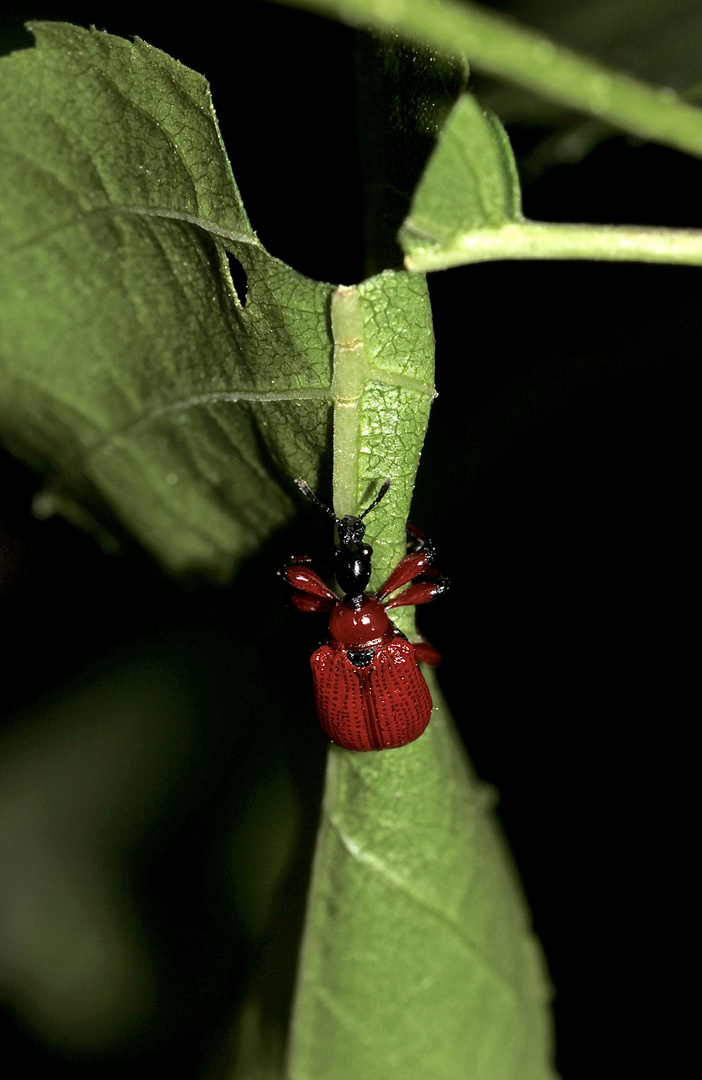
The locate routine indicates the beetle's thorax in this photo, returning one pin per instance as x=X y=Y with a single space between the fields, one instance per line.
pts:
x=364 y=627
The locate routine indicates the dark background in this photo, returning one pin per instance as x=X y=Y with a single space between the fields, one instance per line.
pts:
x=557 y=481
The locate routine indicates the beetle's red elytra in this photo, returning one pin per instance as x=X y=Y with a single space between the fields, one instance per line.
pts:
x=369 y=691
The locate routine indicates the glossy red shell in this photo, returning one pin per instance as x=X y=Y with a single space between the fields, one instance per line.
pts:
x=381 y=705
x=359 y=628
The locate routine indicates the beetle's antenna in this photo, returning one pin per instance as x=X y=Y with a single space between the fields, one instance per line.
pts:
x=309 y=494
x=376 y=500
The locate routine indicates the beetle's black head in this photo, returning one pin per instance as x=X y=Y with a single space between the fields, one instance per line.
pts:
x=352 y=558
x=351 y=530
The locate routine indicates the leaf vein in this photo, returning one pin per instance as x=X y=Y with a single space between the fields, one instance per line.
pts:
x=366 y=858
x=146 y=211
x=309 y=393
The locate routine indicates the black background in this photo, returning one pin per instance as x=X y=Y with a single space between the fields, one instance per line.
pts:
x=557 y=481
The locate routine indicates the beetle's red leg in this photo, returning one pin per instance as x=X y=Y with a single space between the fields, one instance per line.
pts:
x=418 y=542
x=416 y=562
x=427 y=653
x=421 y=542
x=311 y=604
x=422 y=592
x=312 y=595
x=408 y=568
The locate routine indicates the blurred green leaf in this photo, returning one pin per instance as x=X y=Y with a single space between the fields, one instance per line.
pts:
x=498 y=46
x=84 y=778
x=418 y=959
x=656 y=40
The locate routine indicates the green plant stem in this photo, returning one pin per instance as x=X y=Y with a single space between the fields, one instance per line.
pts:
x=350 y=375
x=540 y=240
x=503 y=48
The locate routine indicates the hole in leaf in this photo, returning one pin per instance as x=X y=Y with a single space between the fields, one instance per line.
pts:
x=239 y=278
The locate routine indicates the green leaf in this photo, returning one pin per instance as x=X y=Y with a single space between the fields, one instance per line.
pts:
x=129 y=367
x=418 y=959
x=470 y=181
x=467 y=208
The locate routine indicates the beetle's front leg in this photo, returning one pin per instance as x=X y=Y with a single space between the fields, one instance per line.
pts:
x=312 y=594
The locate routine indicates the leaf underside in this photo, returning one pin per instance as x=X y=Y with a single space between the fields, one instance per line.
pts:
x=130 y=371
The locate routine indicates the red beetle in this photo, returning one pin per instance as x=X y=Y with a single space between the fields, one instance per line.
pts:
x=369 y=691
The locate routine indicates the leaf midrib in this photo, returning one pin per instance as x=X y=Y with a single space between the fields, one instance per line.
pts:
x=215 y=231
